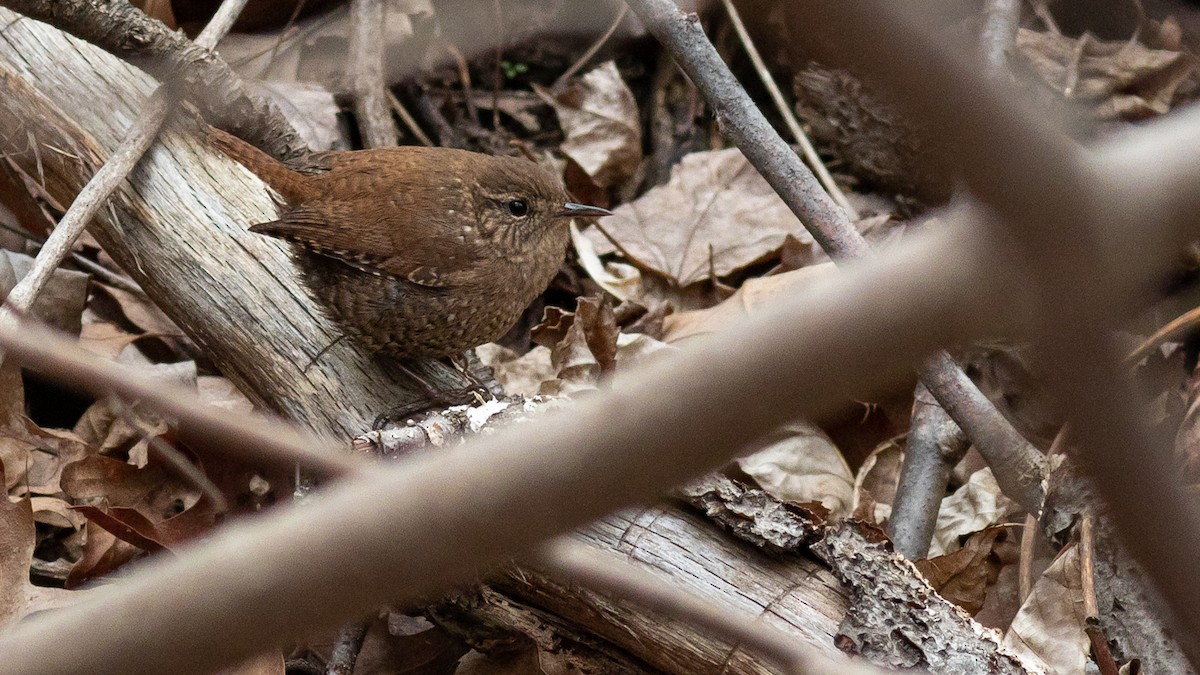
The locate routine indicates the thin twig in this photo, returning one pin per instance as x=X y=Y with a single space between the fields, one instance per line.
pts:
x=106 y=276
x=413 y=527
x=174 y=459
x=789 y=117
x=242 y=436
x=592 y=50
x=410 y=122
x=1016 y=464
x=206 y=80
x=1087 y=565
x=1176 y=329
x=1091 y=608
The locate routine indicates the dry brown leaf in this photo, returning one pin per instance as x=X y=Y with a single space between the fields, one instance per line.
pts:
x=18 y=597
x=56 y=512
x=716 y=214
x=16 y=552
x=622 y=281
x=105 y=339
x=599 y=116
x=683 y=326
x=876 y=481
x=51 y=450
x=100 y=479
x=140 y=312
x=158 y=9
x=1118 y=79
x=522 y=375
x=595 y=315
x=102 y=553
x=962 y=577
x=1048 y=629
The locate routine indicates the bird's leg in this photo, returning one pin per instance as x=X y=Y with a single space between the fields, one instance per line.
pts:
x=433 y=395
x=462 y=363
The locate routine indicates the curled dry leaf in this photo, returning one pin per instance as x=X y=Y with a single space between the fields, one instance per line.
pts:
x=1120 y=79
x=683 y=326
x=716 y=215
x=599 y=116
x=518 y=375
x=973 y=507
x=1048 y=629
x=623 y=282
x=18 y=597
x=962 y=577
x=803 y=465
x=875 y=484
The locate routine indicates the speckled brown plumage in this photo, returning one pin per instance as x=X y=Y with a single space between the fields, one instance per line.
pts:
x=417 y=252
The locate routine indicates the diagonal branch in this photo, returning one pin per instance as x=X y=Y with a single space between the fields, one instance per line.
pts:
x=198 y=73
x=1017 y=465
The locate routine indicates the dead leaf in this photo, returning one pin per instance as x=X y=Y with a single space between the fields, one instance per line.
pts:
x=158 y=9
x=683 y=326
x=517 y=375
x=595 y=315
x=803 y=465
x=103 y=480
x=102 y=553
x=310 y=108
x=16 y=552
x=962 y=577
x=622 y=281
x=105 y=339
x=599 y=116
x=18 y=597
x=61 y=301
x=56 y=512
x=222 y=393
x=715 y=215
x=876 y=481
x=144 y=315
x=1119 y=79
x=973 y=507
x=1048 y=629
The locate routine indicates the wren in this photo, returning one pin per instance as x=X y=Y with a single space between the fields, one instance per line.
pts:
x=417 y=252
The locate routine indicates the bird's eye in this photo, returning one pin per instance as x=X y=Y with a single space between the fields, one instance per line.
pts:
x=517 y=208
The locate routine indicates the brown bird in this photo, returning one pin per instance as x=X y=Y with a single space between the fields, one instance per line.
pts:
x=418 y=252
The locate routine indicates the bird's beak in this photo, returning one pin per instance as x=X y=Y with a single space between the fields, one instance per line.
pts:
x=573 y=210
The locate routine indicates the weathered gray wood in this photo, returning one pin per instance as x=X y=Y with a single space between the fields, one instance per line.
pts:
x=793 y=593
x=179 y=227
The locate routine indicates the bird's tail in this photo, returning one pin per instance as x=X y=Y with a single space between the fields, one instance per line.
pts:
x=288 y=183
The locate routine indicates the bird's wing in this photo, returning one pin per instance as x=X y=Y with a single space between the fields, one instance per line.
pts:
x=339 y=230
